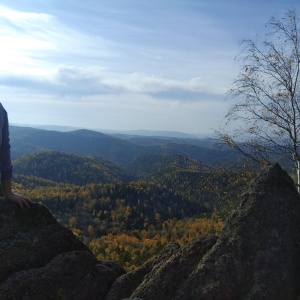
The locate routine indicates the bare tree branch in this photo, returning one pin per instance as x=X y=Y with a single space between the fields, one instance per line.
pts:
x=267 y=94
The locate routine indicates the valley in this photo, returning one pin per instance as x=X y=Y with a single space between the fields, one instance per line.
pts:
x=126 y=197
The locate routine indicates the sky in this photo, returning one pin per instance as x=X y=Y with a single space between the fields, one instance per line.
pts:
x=125 y=64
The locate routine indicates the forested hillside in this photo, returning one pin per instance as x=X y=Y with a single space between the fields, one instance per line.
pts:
x=149 y=167
x=129 y=218
x=70 y=168
x=126 y=223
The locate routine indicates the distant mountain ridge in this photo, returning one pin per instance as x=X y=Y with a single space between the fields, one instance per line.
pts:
x=120 y=150
x=158 y=133
x=81 y=142
x=142 y=132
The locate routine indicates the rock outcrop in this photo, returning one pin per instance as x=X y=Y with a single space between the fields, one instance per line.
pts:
x=125 y=285
x=168 y=270
x=40 y=259
x=257 y=255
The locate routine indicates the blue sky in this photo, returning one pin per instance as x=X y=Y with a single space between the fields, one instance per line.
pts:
x=125 y=64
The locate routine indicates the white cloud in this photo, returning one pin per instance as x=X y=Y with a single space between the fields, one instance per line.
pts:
x=148 y=63
x=80 y=82
x=35 y=43
x=19 y=18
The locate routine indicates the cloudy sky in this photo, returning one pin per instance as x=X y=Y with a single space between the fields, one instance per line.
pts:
x=125 y=64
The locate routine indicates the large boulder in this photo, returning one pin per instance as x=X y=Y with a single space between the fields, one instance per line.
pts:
x=257 y=255
x=40 y=259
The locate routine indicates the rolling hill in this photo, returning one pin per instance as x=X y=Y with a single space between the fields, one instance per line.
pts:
x=122 y=150
x=152 y=166
x=82 y=142
x=69 y=168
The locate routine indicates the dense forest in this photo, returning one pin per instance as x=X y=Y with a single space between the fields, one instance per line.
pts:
x=128 y=214
x=142 y=194
x=68 y=168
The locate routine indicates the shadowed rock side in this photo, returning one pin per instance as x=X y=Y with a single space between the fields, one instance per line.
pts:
x=127 y=283
x=40 y=259
x=255 y=257
x=175 y=270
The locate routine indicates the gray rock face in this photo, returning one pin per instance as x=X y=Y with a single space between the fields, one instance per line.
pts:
x=127 y=283
x=40 y=259
x=257 y=255
x=164 y=280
